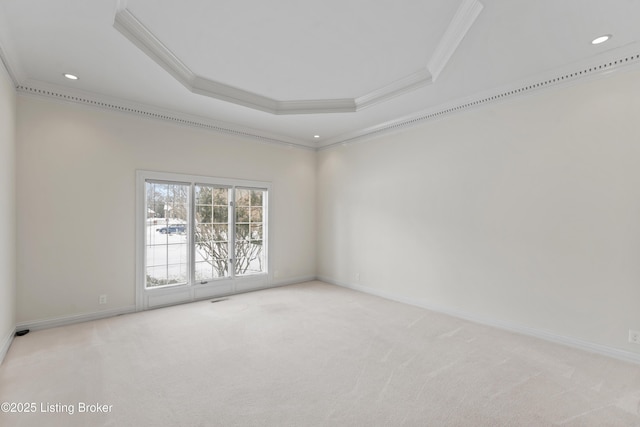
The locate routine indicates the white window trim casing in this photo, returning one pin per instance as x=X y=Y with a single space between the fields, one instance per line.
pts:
x=147 y=298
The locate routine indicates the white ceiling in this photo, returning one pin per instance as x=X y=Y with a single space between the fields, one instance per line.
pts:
x=280 y=69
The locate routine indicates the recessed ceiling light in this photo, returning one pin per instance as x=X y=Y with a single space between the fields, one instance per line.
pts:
x=316 y=136
x=601 y=39
x=71 y=76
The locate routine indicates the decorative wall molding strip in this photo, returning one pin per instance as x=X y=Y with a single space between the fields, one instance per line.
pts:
x=603 y=350
x=528 y=87
x=130 y=27
x=63 y=94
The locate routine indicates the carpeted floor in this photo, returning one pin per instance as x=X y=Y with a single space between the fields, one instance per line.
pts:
x=308 y=355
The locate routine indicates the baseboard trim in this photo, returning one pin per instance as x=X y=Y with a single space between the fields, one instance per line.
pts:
x=287 y=282
x=275 y=284
x=54 y=322
x=5 y=344
x=615 y=353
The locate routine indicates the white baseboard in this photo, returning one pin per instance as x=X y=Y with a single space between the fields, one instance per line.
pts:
x=5 y=344
x=275 y=284
x=295 y=281
x=85 y=317
x=627 y=356
x=76 y=318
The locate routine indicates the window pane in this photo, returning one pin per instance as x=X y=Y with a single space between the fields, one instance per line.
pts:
x=256 y=214
x=220 y=232
x=242 y=232
x=243 y=197
x=242 y=214
x=221 y=196
x=202 y=193
x=221 y=214
x=256 y=231
x=203 y=214
x=256 y=197
x=211 y=240
x=249 y=256
x=166 y=234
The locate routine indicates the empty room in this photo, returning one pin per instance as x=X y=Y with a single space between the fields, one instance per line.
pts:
x=336 y=213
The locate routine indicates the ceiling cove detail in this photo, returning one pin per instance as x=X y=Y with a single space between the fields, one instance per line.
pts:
x=129 y=26
x=558 y=80
x=93 y=100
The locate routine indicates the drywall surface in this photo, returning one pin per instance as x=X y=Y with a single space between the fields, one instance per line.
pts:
x=76 y=198
x=525 y=212
x=7 y=208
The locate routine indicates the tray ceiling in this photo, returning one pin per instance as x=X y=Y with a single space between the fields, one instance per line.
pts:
x=285 y=71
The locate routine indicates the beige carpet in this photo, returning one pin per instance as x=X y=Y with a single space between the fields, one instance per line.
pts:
x=309 y=355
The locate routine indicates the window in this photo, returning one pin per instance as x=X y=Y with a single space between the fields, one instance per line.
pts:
x=167 y=243
x=200 y=231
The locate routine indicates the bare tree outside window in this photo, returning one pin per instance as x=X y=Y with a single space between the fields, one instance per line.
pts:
x=212 y=231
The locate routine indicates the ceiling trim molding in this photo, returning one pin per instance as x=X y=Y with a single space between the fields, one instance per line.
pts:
x=460 y=25
x=7 y=67
x=132 y=29
x=135 y=31
x=410 y=83
x=8 y=57
x=98 y=101
x=145 y=40
x=559 y=78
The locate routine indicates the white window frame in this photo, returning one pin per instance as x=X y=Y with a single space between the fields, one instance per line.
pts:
x=147 y=298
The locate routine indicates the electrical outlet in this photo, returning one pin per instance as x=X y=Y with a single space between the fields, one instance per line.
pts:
x=102 y=299
x=634 y=336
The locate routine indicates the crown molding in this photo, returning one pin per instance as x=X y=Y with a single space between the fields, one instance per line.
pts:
x=315 y=106
x=131 y=27
x=626 y=58
x=64 y=94
x=232 y=94
x=7 y=57
x=7 y=67
x=410 y=83
x=460 y=25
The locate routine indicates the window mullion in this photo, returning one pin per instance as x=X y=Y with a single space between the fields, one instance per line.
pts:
x=191 y=251
x=232 y=232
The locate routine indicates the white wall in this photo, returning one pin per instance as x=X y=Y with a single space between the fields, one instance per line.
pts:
x=525 y=213
x=76 y=197
x=7 y=209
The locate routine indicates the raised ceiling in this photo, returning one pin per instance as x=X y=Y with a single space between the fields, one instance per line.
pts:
x=284 y=71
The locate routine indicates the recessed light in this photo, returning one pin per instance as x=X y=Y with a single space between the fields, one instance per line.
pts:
x=601 y=39
x=316 y=136
x=71 y=76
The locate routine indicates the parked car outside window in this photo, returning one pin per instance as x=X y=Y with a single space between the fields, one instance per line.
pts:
x=173 y=229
